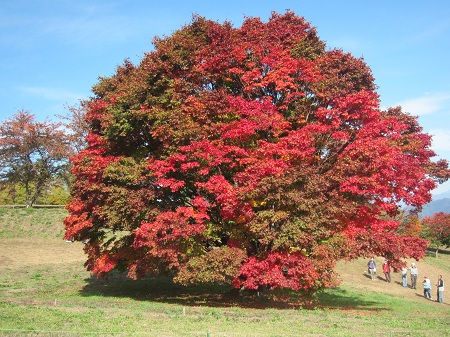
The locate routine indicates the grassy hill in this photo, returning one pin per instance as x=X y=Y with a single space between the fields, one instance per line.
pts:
x=32 y=222
x=46 y=291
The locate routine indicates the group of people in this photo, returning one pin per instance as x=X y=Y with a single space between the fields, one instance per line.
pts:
x=427 y=289
x=372 y=269
x=414 y=273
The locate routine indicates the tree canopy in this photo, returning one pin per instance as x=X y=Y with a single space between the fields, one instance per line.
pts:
x=254 y=156
x=32 y=154
x=437 y=229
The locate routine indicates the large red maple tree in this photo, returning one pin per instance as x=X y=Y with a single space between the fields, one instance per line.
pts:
x=253 y=156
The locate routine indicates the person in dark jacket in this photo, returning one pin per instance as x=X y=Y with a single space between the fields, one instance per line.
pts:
x=440 y=289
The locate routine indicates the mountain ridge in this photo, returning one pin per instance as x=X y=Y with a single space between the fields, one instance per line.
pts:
x=436 y=206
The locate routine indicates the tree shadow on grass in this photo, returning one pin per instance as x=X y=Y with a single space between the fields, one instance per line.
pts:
x=214 y=295
x=342 y=299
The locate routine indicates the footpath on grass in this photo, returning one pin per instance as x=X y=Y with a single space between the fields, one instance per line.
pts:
x=354 y=274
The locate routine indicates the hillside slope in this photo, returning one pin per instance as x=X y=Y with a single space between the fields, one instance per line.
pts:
x=354 y=274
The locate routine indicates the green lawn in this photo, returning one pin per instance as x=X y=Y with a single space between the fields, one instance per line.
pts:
x=62 y=299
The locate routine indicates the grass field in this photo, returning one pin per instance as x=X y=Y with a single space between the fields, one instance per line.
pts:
x=45 y=291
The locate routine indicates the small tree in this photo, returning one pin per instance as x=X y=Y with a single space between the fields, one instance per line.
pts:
x=31 y=153
x=437 y=230
x=11 y=193
x=77 y=126
x=412 y=226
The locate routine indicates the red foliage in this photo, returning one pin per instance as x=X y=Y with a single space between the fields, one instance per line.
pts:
x=255 y=141
x=437 y=227
x=277 y=270
x=32 y=153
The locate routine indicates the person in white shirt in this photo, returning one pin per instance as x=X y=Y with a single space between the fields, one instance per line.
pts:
x=426 y=287
x=405 y=276
x=414 y=273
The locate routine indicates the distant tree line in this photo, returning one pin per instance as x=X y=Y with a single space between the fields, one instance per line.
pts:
x=435 y=229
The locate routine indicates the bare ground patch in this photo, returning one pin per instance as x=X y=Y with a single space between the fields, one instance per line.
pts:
x=22 y=252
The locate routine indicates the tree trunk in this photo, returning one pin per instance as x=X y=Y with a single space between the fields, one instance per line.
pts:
x=27 y=195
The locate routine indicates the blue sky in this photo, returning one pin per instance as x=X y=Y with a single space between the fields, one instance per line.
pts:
x=53 y=51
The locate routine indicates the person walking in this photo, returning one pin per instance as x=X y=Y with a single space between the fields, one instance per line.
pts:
x=414 y=273
x=387 y=271
x=405 y=276
x=426 y=287
x=440 y=289
x=372 y=266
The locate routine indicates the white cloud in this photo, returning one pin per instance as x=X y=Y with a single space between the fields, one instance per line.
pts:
x=73 y=24
x=441 y=140
x=427 y=104
x=52 y=93
x=89 y=30
x=434 y=30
